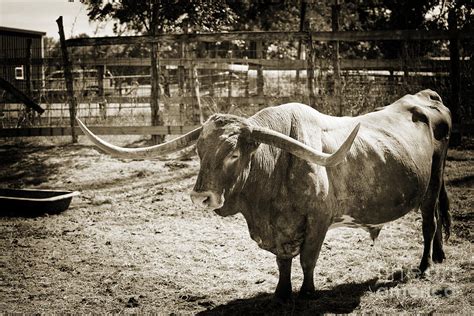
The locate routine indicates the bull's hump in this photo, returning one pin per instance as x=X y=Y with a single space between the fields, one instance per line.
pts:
x=426 y=107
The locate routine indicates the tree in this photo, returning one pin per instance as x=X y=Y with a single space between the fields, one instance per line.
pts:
x=161 y=16
x=265 y=15
x=154 y=17
x=394 y=15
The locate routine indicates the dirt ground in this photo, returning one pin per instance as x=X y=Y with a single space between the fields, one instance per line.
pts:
x=132 y=242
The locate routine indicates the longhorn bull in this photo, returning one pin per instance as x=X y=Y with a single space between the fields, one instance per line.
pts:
x=275 y=169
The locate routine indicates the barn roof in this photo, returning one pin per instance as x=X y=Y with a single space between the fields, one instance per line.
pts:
x=4 y=29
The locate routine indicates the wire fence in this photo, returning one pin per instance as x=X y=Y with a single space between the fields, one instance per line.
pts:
x=112 y=82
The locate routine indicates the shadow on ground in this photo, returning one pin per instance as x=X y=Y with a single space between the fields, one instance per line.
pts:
x=467 y=180
x=20 y=166
x=25 y=164
x=344 y=298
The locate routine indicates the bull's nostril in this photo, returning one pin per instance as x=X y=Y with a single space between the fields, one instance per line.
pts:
x=200 y=198
x=206 y=199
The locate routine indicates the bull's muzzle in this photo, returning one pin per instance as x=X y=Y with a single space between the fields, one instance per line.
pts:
x=207 y=199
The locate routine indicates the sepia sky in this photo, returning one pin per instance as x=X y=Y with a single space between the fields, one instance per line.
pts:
x=41 y=15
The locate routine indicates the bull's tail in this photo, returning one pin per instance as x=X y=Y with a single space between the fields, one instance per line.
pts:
x=444 y=215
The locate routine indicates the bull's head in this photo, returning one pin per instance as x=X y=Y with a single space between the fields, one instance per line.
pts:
x=225 y=145
x=225 y=159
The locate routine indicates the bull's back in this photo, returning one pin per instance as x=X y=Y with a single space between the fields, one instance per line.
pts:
x=388 y=170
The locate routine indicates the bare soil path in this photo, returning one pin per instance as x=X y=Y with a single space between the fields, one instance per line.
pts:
x=133 y=242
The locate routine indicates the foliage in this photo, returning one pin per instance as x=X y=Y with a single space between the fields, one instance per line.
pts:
x=402 y=15
x=265 y=15
x=175 y=16
x=161 y=16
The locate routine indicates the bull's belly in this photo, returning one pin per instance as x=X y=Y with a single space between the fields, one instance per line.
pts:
x=384 y=210
x=372 y=228
x=351 y=222
x=374 y=193
x=348 y=221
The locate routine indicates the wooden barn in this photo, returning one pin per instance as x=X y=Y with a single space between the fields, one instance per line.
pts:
x=20 y=58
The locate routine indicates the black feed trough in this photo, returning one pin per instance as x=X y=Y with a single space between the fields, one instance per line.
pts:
x=32 y=202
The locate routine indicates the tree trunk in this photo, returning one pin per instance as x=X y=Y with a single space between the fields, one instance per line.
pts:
x=300 y=42
x=156 y=117
x=455 y=76
x=335 y=10
x=69 y=80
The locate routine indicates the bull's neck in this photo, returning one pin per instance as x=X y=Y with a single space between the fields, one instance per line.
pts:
x=268 y=169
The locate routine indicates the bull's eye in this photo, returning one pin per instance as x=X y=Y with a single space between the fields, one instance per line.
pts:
x=233 y=157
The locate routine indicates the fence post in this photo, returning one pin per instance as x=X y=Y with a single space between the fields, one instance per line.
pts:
x=181 y=83
x=229 y=93
x=247 y=83
x=156 y=118
x=192 y=86
x=455 y=75
x=197 y=94
x=310 y=71
x=28 y=67
x=405 y=58
x=303 y=8
x=100 y=80
x=166 y=83
x=69 y=80
x=31 y=114
x=335 y=10
x=260 y=80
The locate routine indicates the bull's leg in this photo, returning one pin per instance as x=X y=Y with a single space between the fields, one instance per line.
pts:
x=428 y=214
x=308 y=257
x=283 y=291
x=438 y=252
x=429 y=229
x=443 y=219
x=429 y=210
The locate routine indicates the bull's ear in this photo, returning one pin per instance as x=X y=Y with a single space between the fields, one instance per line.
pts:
x=247 y=146
x=245 y=141
x=253 y=146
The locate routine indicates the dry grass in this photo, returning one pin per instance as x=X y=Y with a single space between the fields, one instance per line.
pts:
x=133 y=242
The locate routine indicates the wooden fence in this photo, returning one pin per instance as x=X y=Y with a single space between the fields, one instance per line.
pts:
x=335 y=75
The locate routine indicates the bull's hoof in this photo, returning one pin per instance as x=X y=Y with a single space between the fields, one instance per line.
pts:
x=438 y=256
x=283 y=300
x=308 y=295
x=424 y=265
x=283 y=296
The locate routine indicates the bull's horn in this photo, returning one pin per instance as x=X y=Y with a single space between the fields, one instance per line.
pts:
x=299 y=149
x=144 y=152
